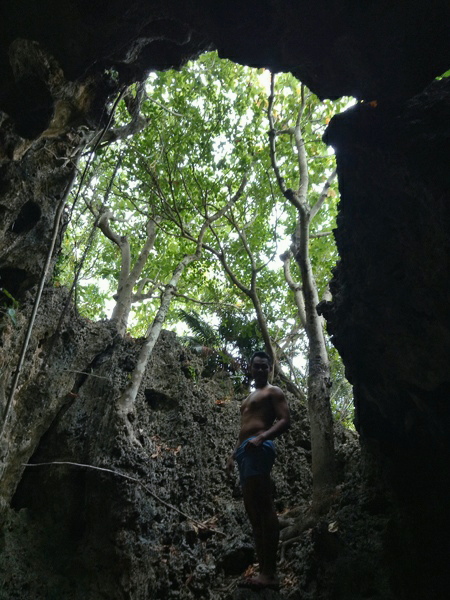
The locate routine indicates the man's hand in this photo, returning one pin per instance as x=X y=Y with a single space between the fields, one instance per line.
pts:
x=255 y=442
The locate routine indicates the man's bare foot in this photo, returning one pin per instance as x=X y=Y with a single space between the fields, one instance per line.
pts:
x=260 y=582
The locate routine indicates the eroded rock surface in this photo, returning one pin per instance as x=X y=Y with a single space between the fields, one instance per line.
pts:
x=70 y=531
x=336 y=48
x=389 y=317
x=74 y=532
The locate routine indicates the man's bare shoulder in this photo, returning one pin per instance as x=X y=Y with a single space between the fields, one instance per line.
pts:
x=276 y=392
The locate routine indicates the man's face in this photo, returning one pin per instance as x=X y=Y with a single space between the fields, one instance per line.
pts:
x=259 y=369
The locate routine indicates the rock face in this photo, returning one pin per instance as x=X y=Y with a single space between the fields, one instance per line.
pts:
x=336 y=48
x=165 y=523
x=389 y=317
x=156 y=518
x=394 y=264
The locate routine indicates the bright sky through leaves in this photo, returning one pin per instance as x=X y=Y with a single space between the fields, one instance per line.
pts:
x=206 y=128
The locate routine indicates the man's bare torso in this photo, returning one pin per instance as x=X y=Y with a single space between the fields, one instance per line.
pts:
x=257 y=412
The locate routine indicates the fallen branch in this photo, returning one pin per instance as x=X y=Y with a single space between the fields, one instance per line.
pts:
x=135 y=480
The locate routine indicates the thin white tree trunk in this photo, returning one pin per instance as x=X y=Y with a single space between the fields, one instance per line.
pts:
x=128 y=396
x=319 y=381
x=128 y=279
x=295 y=288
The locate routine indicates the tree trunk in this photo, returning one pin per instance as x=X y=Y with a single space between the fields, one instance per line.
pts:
x=262 y=322
x=128 y=279
x=319 y=380
x=128 y=396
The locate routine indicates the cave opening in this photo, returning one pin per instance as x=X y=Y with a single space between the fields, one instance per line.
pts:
x=14 y=280
x=388 y=317
x=28 y=217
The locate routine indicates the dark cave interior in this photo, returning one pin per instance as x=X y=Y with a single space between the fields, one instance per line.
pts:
x=389 y=317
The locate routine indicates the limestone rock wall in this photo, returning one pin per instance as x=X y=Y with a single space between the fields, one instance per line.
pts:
x=394 y=270
x=389 y=317
x=74 y=532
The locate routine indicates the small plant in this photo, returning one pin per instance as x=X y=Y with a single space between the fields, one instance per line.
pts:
x=10 y=312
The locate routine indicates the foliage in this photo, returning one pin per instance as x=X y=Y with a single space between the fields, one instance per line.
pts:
x=212 y=345
x=204 y=333
x=446 y=74
x=341 y=391
x=206 y=131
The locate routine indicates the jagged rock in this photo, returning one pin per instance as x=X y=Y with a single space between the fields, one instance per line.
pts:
x=336 y=49
x=126 y=537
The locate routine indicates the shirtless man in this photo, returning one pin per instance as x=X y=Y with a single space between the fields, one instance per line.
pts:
x=264 y=416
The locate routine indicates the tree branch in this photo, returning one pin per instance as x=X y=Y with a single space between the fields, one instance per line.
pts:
x=272 y=135
x=105 y=228
x=301 y=155
x=136 y=125
x=243 y=238
x=143 y=255
x=168 y=110
x=288 y=193
x=140 y=297
x=323 y=195
x=215 y=305
x=320 y=234
x=128 y=397
x=121 y=241
x=296 y=288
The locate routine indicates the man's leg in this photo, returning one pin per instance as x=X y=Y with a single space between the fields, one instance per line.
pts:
x=264 y=520
x=250 y=492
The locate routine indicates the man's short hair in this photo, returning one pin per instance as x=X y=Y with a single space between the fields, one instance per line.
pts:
x=261 y=354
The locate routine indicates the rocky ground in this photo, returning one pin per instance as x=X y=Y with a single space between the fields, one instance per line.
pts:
x=166 y=523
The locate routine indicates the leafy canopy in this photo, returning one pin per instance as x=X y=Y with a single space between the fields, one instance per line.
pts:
x=206 y=129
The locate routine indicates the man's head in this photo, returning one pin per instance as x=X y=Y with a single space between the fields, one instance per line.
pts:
x=260 y=365
x=260 y=354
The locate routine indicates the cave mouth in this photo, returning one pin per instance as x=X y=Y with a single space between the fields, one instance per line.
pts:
x=32 y=108
x=188 y=92
x=28 y=217
x=12 y=282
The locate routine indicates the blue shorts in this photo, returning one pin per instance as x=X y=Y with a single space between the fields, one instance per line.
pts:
x=256 y=461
